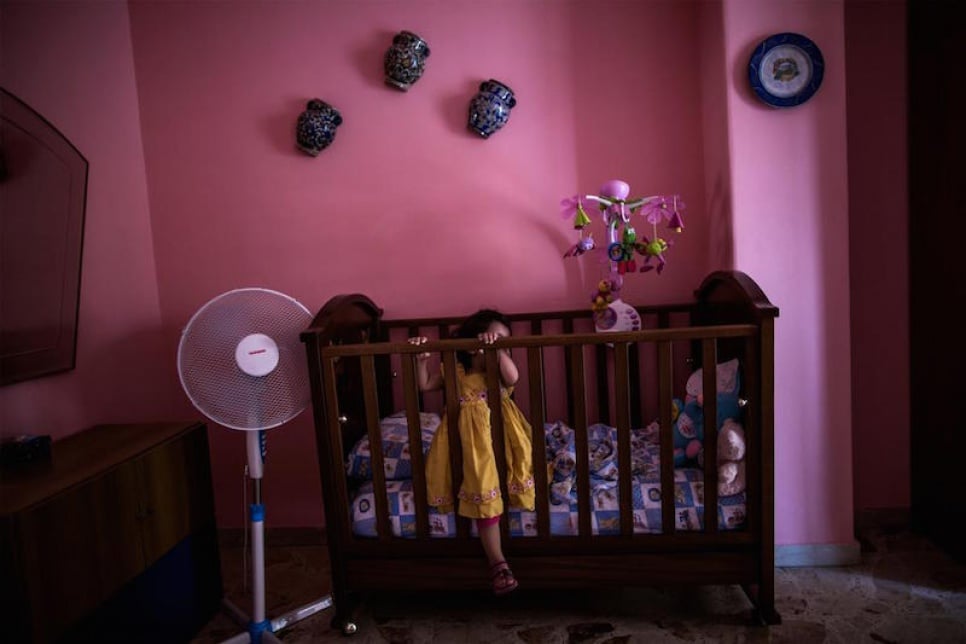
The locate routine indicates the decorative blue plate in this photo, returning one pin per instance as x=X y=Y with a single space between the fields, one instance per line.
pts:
x=786 y=69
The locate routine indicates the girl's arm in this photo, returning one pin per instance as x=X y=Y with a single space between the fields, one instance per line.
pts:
x=425 y=380
x=508 y=369
x=509 y=373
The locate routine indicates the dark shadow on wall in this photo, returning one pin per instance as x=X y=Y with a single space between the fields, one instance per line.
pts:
x=369 y=58
x=455 y=108
x=278 y=128
x=717 y=153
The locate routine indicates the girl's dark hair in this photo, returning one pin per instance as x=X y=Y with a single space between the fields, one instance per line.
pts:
x=475 y=325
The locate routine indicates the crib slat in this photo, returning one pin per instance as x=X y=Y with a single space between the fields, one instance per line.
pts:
x=537 y=420
x=494 y=396
x=412 y=332
x=415 y=444
x=603 y=390
x=760 y=352
x=576 y=372
x=637 y=399
x=709 y=362
x=663 y=320
x=758 y=455
x=455 y=445
x=335 y=433
x=622 y=402
x=375 y=448
x=665 y=378
x=384 y=374
x=568 y=329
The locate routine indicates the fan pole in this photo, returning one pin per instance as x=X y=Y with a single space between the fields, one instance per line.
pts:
x=260 y=628
x=259 y=624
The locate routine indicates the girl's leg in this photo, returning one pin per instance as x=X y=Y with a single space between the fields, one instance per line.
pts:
x=489 y=530
x=500 y=573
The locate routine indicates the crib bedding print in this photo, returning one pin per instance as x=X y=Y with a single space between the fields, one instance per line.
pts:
x=561 y=457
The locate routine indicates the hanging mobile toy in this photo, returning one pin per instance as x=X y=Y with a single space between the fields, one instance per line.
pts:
x=581 y=221
x=623 y=241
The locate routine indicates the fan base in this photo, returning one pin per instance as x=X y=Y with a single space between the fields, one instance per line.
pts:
x=277 y=624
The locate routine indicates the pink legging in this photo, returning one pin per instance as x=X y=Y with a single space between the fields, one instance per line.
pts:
x=482 y=523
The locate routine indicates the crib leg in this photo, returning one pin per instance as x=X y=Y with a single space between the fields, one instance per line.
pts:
x=346 y=614
x=764 y=613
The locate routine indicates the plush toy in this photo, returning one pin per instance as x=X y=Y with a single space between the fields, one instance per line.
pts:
x=603 y=297
x=688 y=428
x=727 y=377
x=687 y=431
x=731 y=458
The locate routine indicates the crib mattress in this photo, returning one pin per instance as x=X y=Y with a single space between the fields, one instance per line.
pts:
x=564 y=513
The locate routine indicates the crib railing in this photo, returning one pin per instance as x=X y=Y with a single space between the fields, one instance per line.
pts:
x=368 y=363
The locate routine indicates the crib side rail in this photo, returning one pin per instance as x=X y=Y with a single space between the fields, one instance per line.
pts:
x=553 y=340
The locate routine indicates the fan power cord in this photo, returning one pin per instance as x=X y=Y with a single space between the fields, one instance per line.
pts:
x=245 y=529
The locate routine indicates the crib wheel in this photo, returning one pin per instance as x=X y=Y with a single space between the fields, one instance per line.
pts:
x=349 y=628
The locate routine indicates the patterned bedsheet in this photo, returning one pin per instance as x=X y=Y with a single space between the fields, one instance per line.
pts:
x=561 y=456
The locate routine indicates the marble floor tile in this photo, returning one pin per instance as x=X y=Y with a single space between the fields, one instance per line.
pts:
x=903 y=591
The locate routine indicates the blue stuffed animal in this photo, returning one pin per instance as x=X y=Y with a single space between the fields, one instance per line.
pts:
x=688 y=428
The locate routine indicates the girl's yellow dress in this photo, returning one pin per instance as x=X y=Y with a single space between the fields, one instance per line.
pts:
x=479 y=493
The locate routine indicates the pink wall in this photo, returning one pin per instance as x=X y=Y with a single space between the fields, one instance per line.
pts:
x=879 y=266
x=72 y=62
x=790 y=201
x=406 y=205
x=411 y=209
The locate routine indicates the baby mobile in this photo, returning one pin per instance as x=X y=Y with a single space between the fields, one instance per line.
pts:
x=625 y=247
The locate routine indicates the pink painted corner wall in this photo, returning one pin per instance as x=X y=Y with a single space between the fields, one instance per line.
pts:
x=790 y=202
x=408 y=207
x=72 y=62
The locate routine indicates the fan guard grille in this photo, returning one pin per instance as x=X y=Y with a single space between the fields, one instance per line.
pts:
x=213 y=379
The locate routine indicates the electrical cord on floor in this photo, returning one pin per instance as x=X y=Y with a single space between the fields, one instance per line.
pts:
x=245 y=529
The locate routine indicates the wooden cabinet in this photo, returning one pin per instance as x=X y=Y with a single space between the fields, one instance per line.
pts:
x=113 y=502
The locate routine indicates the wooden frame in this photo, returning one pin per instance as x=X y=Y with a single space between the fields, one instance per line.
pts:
x=43 y=196
x=360 y=373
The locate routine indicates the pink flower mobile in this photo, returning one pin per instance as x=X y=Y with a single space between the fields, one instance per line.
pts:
x=623 y=241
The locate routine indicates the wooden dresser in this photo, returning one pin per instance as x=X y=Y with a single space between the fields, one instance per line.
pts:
x=109 y=536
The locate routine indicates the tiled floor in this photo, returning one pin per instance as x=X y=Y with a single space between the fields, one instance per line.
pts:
x=903 y=591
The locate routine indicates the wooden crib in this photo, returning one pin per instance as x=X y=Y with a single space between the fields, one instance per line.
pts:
x=362 y=370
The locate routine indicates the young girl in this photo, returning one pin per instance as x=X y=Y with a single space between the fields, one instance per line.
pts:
x=479 y=494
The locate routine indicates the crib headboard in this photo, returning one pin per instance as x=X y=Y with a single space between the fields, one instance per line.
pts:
x=732 y=297
x=347 y=319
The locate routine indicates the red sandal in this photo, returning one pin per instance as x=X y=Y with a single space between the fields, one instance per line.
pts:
x=502 y=577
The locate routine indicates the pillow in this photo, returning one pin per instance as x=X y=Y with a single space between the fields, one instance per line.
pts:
x=395 y=447
x=602 y=457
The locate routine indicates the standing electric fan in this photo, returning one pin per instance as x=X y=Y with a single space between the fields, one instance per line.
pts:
x=242 y=365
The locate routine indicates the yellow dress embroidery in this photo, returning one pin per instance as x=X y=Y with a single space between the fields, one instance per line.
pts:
x=479 y=492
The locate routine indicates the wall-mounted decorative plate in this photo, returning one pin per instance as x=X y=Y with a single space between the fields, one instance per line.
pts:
x=786 y=69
